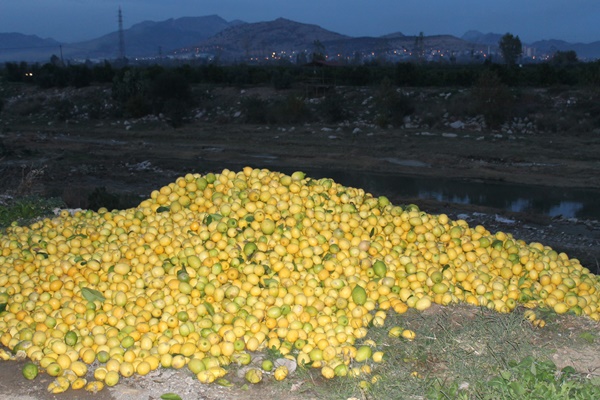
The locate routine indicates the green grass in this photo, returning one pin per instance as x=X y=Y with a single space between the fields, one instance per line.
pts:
x=463 y=352
x=26 y=209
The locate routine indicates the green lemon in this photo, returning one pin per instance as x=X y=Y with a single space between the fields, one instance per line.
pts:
x=30 y=371
x=359 y=295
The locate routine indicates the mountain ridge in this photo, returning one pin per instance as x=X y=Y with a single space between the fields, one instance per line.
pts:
x=234 y=40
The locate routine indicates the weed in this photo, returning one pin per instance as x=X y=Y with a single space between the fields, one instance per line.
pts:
x=533 y=379
x=26 y=209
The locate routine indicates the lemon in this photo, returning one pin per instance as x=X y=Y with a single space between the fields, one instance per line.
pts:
x=281 y=373
x=328 y=372
x=253 y=375
x=267 y=365
x=30 y=371
x=363 y=354
x=250 y=248
x=111 y=378
x=379 y=268
x=395 y=331
x=54 y=369
x=195 y=365
x=267 y=226
x=378 y=356
x=408 y=334
x=71 y=338
x=423 y=303
x=94 y=386
x=359 y=295
x=102 y=356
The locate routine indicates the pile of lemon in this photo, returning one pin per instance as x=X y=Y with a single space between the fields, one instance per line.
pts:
x=212 y=268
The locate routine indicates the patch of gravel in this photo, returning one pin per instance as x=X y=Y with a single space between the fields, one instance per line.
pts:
x=162 y=381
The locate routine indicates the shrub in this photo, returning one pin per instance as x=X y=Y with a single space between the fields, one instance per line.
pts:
x=282 y=80
x=128 y=83
x=255 y=109
x=26 y=108
x=332 y=108
x=137 y=106
x=100 y=197
x=63 y=109
x=170 y=85
x=291 y=110
x=175 y=111
x=391 y=106
x=492 y=99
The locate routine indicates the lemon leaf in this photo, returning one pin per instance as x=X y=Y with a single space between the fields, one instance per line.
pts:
x=92 y=295
x=224 y=382
x=2 y=307
x=170 y=396
x=209 y=308
x=162 y=209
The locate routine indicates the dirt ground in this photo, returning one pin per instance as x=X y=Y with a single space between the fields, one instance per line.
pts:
x=134 y=158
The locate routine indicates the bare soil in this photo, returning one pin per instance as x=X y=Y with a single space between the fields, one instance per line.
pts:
x=132 y=158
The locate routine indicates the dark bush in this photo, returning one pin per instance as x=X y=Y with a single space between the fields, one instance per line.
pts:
x=171 y=85
x=332 y=108
x=493 y=99
x=62 y=109
x=100 y=197
x=26 y=108
x=291 y=110
x=50 y=75
x=129 y=82
x=137 y=106
x=103 y=73
x=254 y=109
x=175 y=111
x=391 y=106
x=79 y=76
x=282 y=80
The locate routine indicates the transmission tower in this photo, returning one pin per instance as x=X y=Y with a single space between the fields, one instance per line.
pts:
x=121 y=36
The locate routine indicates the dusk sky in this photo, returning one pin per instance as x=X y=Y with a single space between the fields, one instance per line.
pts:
x=76 y=20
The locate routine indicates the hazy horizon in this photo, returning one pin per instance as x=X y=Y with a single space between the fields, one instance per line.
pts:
x=79 y=20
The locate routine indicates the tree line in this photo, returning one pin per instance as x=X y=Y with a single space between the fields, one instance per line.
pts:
x=563 y=69
x=155 y=89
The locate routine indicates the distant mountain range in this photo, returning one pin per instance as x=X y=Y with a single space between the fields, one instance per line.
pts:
x=588 y=51
x=212 y=36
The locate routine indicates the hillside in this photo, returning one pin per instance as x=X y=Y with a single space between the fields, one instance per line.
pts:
x=148 y=38
x=19 y=47
x=584 y=50
x=236 y=40
x=145 y=39
x=261 y=39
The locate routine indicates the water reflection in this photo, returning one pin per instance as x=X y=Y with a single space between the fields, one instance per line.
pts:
x=568 y=202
